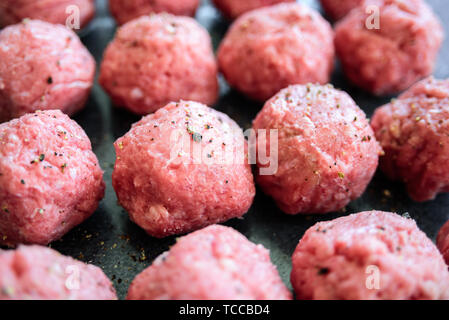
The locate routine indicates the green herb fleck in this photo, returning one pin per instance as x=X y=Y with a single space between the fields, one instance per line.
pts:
x=197 y=137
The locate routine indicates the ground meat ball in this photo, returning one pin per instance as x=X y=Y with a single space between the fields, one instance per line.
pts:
x=390 y=59
x=327 y=153
x=127 y=10
x=443 y=241
x=40 y=273
x=42 y=66
x=53 y=11
x=159 y=59
x=341 y=259
x=270 y=48
x=50 y=180
x=216 y=263
x=167 y=186
x=414 y=133
x=234 y=8
x=337 y=9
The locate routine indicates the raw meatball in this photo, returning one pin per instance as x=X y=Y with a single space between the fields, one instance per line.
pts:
x=159 y=59
x=327 y=153
x=183 y=168
x=50 y=180
x=414 y=133
x=268 y=49
x=370 y=255
x=234 y=8
x=337 y=9
x=42 y=66
x=392 y=58
x=216 y=263
x=443 y=241
x=40 y=273
x=127 y=10
x=53 y=11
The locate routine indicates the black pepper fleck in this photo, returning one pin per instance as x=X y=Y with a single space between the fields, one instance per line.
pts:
x=323 y=271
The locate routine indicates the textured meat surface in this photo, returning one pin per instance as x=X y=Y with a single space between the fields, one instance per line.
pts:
x=215 y=263
x=53 y=11
x=268 y=49
x=42 y=66
x=443 y=241
x=127 y=10
x=234 y=8
x=159 y=59
x=40 y=273
x=166 y=186
x=414 y=133
x=392 y=58
x=327 y=153
x=335 y=259
x=50 y=180
x=337 y=9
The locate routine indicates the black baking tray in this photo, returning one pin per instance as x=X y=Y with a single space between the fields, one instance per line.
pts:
x=110 y=240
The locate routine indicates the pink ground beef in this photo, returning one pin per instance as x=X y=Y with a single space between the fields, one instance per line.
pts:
x=43 y=66
x=164 y=189
x=127 y=10
x=159 y=59
x=53 y=11
x=443 y=241
x=215 y=263
x=390 y=59
x=40 y=273
x=414 y=133
x=50 y=180
x=235 y=8
x=335 y=260
x=268 y=49
x=327 y=152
